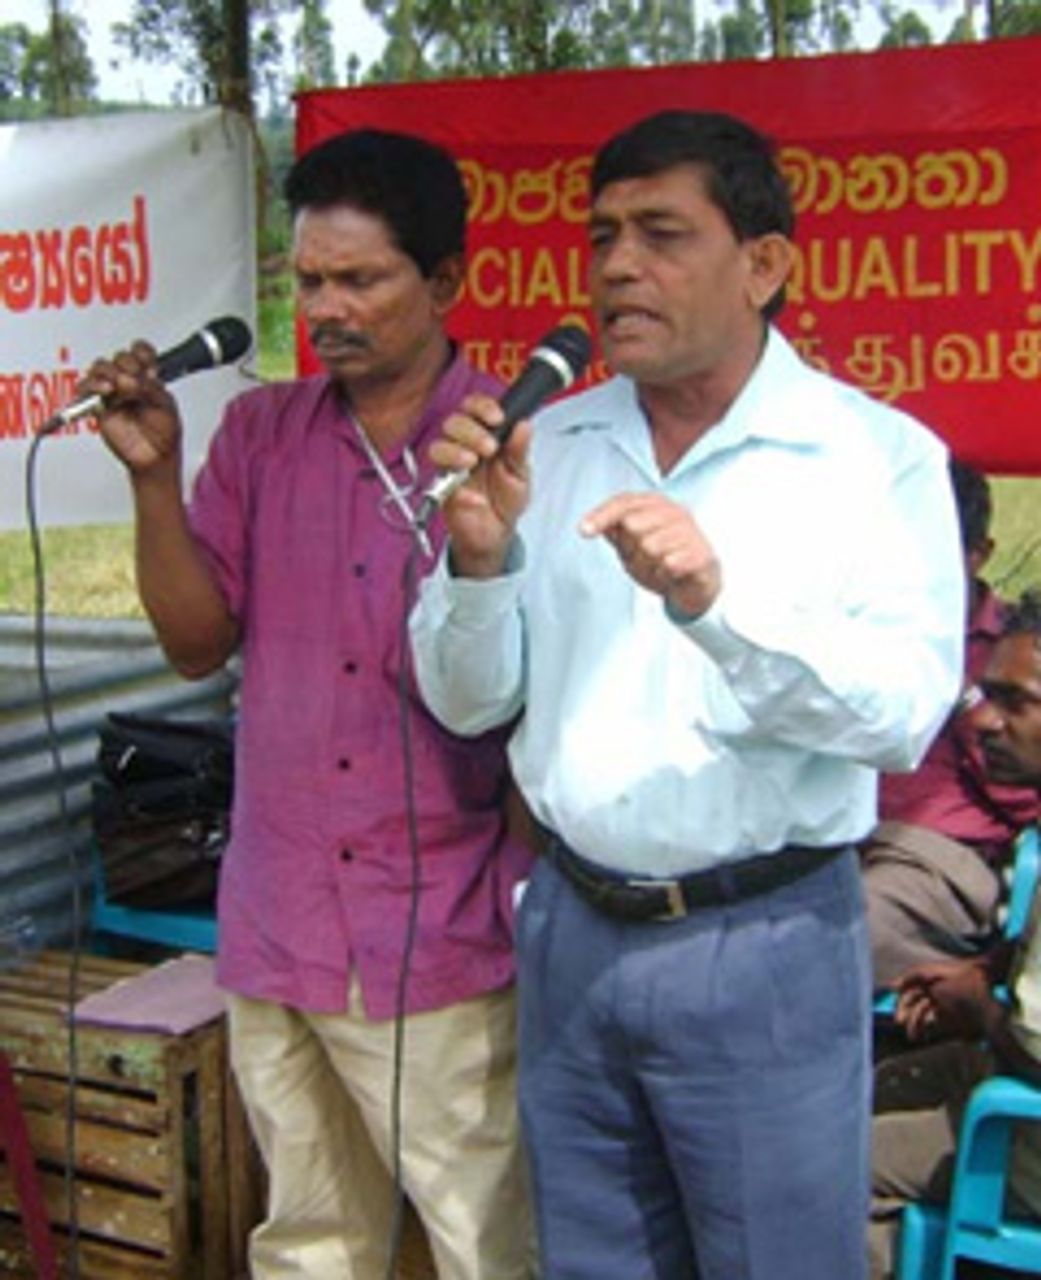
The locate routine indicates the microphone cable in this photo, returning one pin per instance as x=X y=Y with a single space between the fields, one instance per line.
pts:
x=221 y=342
x=61 y=787
x=408 y=591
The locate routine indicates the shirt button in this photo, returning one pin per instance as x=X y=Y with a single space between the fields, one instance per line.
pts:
x=343 y=763
x=359 y=571
x=346 y=855
x=350 y=667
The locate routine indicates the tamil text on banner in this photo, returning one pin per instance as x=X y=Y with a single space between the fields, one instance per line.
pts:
x=915 y=174
x=113 y=228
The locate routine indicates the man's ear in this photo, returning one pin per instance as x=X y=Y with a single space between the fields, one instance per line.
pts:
x=446 y=280
x=979 y=556
x=770 y=263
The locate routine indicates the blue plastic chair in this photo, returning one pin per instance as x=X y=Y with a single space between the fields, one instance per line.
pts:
x=975 y=1224
x=1026 y=869
x=187 y=929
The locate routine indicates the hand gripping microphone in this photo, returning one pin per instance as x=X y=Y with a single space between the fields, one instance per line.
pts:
x=556 y=362
x=219 y=342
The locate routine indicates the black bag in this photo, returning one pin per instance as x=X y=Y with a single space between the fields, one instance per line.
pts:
x=161 y=811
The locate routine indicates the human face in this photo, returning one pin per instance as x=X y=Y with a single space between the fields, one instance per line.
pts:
x=370 y=314
x=677 y=296
x=1009 y=721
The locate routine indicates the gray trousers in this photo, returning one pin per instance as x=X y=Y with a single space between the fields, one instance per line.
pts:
x=695 y=1093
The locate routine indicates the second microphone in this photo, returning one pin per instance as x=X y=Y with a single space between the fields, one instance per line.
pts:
x=560 y=358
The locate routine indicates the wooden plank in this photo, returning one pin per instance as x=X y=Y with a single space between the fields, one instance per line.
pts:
x=92 y=965
x=143 y=1114
x=139 y=1160
x=112 y=1213
x=98 y=1260
x=36 y=1041
x=49 y=973
x=177 y=1172
x=213 y=1199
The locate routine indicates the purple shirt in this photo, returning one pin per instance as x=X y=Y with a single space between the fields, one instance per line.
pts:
x=315 y=883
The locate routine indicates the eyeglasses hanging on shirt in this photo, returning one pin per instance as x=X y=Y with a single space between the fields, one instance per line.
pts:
x=395 y=507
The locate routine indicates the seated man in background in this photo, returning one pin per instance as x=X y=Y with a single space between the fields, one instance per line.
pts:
x=932 y=868
x=920 y=1095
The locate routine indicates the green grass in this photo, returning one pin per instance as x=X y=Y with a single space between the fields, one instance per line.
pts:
x=89 y=570
x=1016 y=563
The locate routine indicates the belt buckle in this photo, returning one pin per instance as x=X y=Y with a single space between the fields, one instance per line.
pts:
x=677 y=904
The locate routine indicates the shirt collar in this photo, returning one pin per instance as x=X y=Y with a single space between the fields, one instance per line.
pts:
x=772 y=406
x=448 y=391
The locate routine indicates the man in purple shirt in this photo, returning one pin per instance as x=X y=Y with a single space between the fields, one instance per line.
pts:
x=932 y=868
x=293 y=551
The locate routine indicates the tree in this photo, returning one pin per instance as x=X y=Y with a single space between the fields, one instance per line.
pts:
x=1013 y=18
x=497 y=37
x=902 y=30
x=48 y=72
x=14 y=43
x=313 y=47
x=220 y=44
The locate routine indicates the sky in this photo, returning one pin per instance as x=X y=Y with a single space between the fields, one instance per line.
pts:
x=353 y=32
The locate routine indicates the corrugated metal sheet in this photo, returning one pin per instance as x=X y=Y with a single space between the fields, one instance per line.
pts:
x=93 y=667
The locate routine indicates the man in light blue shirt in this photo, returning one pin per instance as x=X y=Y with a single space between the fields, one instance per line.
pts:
x=720 y=591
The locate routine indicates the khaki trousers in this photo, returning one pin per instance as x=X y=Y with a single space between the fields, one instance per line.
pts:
x=317 y=1088
x=920 y=1097
x=928 y=898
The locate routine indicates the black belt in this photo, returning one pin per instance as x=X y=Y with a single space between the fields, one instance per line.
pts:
x=626 y=898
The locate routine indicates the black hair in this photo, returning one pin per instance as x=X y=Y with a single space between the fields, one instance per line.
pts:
x=1024 y=617
x=412 y=184
x=740 y=166
x=972 y=496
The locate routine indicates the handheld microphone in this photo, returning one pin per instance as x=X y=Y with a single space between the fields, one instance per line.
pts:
x=217 y=343
x=553 y=366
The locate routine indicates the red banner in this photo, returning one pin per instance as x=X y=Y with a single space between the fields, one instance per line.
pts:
x=917 y=182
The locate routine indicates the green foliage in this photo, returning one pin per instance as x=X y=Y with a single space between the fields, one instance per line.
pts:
x=313 y=47
x=1015 y=18
x=902 y=29
x=189 y=34
x=433 y=38
x=45 y=73
x=14 y=46
x=742 y=33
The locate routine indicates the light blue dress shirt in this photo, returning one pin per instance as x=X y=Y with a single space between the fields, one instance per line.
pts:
x=657 y=746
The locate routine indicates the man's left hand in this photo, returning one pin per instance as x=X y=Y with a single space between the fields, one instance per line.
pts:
x=661 y=547
x=951 y=998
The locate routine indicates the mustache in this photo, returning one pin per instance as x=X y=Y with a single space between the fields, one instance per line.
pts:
x=330 y=331
x=1001 y=761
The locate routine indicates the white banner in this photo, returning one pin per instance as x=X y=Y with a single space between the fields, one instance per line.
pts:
x=113 y=228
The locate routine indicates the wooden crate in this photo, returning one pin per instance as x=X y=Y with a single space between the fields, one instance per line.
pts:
x=166 y=1180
